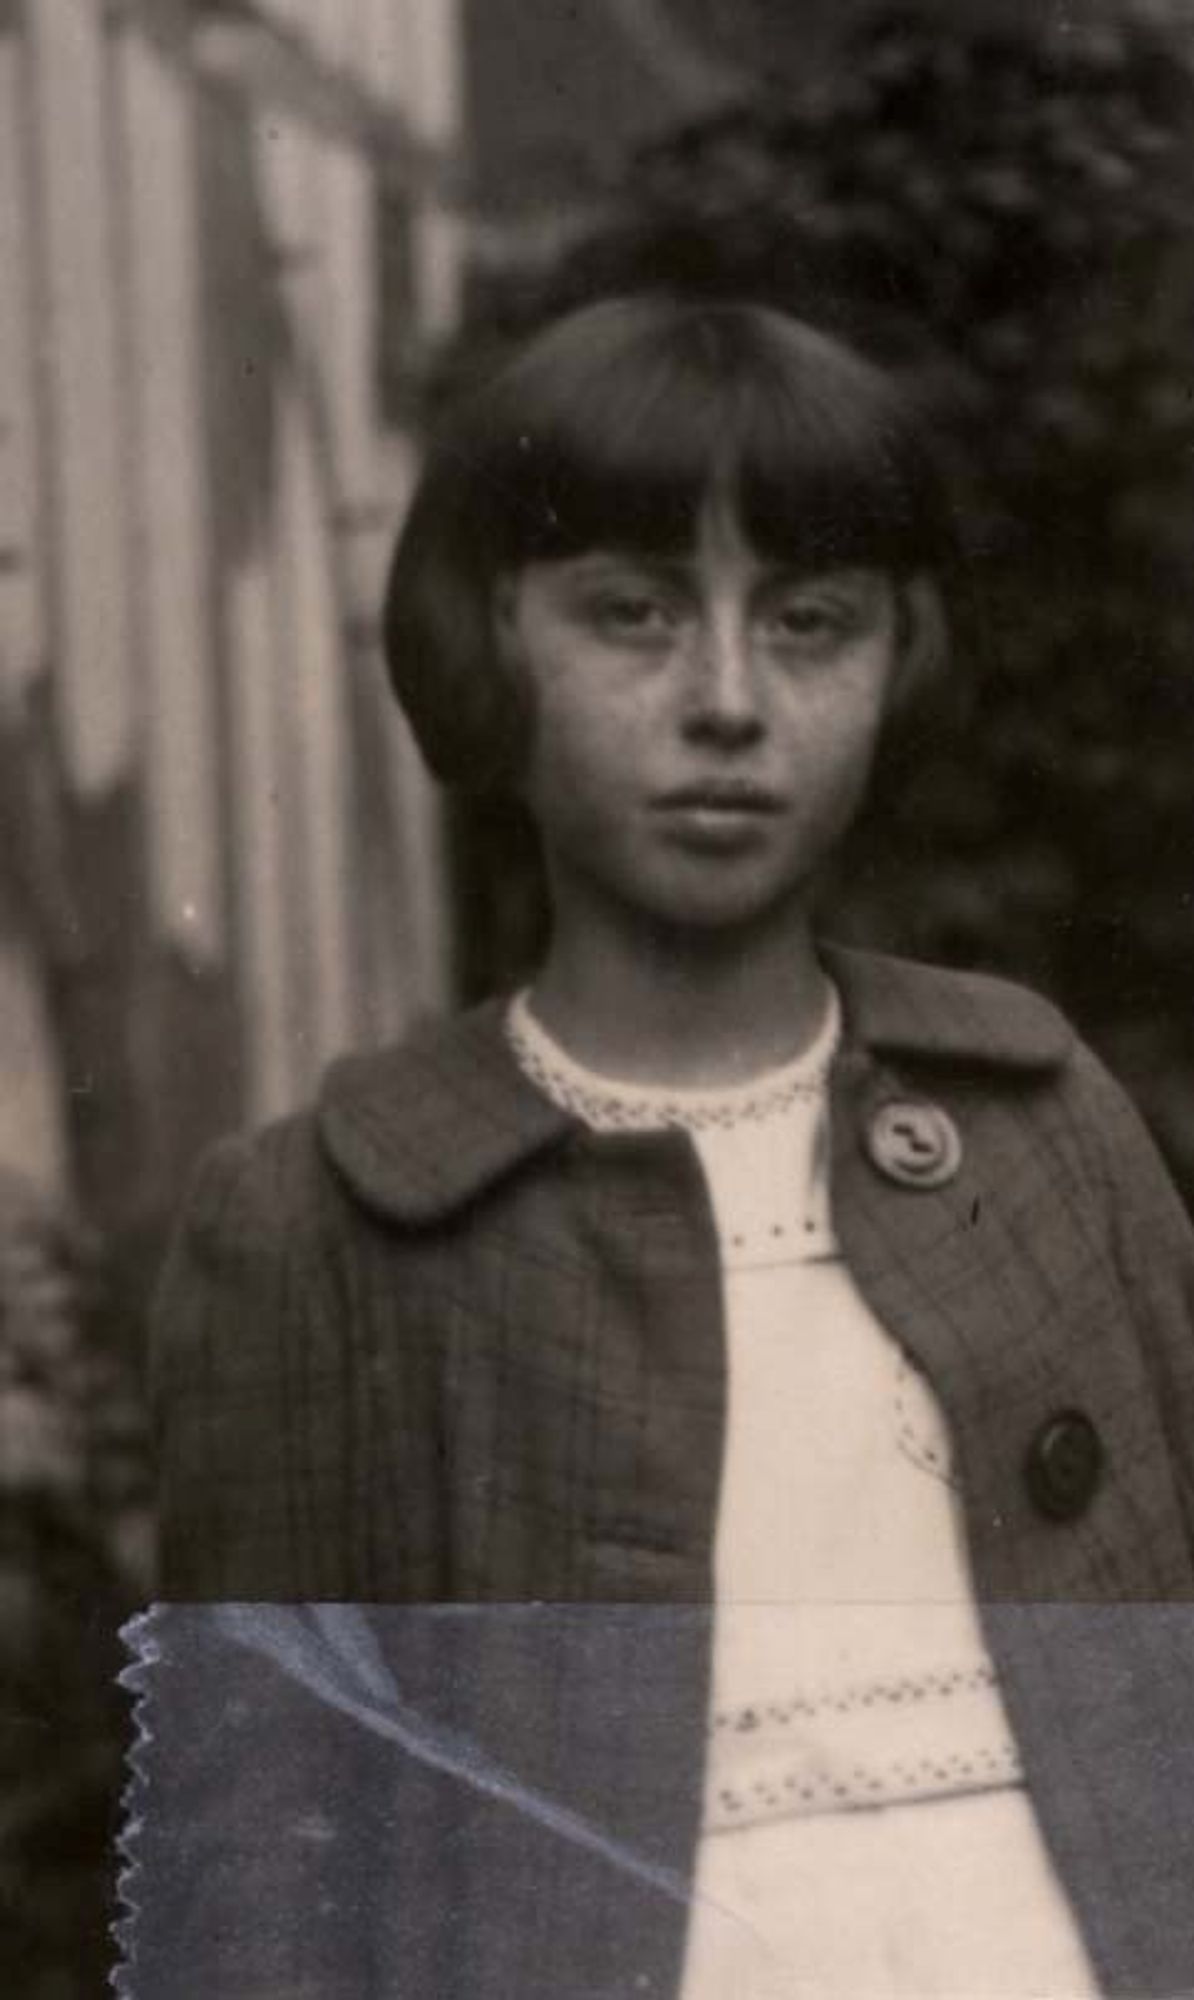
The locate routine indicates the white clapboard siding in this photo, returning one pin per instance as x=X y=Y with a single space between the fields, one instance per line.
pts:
x=385 y=53
x=260 y=833
x=193 y=565
x=364 y=38
x=282 y=155
x=266 y=832
x=404 y=905
x=411 y=942
x=427 y=64
x=180 y=748
x=298 y=18
x=339 y=30
x=22 y=622
x=312 y=686
x=344 y=201
x=87 y=418
x=329 y=29
x=349 y=324
x=286 y=14
x=410 y=53
x=314 y=662
x=434 y=108
x=416 y=49
x=423 y=76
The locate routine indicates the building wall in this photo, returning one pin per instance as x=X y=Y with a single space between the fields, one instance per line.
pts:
x=220 y=862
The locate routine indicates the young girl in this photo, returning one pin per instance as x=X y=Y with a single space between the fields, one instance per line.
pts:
x=839 y=1296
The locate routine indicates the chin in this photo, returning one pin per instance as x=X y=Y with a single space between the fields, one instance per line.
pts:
x=724 y=910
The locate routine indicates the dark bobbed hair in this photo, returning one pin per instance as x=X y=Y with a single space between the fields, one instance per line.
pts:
x=611 y=429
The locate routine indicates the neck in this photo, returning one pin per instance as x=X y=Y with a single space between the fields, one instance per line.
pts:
x=681 y=1008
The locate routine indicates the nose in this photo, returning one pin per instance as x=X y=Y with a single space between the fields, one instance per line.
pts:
x=722 y=693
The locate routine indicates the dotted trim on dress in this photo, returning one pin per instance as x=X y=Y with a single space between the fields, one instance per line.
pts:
x=851 y=1700
x=608 y=1106
x=804 y=1790
x=930 y=1453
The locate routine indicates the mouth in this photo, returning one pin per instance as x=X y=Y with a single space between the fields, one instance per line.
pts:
x=718 y=816
x=731 y=796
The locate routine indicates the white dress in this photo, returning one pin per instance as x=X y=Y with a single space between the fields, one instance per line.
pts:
x=866 y=1827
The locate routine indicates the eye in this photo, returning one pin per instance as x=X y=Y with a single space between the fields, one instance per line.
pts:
x=630 y=615
x=804 y=623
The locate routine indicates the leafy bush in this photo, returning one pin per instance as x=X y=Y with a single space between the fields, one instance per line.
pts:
x=74 y=1559
x=1008 y=219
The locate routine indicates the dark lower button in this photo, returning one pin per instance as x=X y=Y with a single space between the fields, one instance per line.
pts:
x=1064 y=1465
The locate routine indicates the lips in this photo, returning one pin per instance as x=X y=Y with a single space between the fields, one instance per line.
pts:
x=718 y=817
x=720 y=795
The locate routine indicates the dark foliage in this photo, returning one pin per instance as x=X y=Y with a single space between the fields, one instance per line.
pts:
x=1007 y=218
x=74 y=1560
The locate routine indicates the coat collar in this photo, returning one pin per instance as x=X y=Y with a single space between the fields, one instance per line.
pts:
x=420 y=1129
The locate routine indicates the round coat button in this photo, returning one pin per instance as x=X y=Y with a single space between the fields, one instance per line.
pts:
x=915 y=1144
x=1064 y=1465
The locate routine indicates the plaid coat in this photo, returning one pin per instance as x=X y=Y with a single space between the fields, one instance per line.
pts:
x=434 y=1344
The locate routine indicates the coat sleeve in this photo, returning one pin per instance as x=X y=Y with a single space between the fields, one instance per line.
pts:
x=234 y=1378
x=1153 y=1242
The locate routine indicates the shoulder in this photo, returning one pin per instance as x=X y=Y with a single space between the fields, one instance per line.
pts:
x=992 y=1034
x=903 y=1007
x=1005 y=1042
x=249 y=1189
x=412 y=1131
x=418 y=1130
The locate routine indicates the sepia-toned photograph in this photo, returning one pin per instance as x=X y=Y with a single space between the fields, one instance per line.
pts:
x=597 y=985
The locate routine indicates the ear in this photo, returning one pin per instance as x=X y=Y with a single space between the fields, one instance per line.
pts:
x=922 y=636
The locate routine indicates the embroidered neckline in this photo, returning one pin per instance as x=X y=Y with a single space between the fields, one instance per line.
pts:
x=608 y=1104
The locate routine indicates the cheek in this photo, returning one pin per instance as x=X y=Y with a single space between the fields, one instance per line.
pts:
x=574 y=759
x=839 y=729
x=588 y=721
x=865 y=699
x=552 y=728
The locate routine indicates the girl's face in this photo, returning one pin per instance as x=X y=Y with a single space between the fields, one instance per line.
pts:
x=702 y=728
